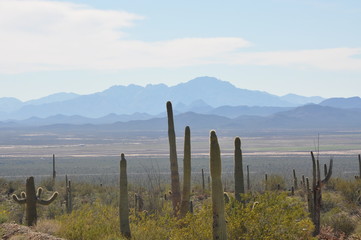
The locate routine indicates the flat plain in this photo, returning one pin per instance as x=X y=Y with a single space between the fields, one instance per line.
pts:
x=94 y=155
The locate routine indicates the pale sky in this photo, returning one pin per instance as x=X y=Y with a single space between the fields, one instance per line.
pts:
x=306 y=47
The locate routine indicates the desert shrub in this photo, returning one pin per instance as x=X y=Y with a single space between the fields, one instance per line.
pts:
x=47 y=183
x=275 y=216
x=90 y=222
x=47 y=226
x=339 y=221
x=328 y=233
x=350 y=190
x=4 y=214
x=274 y=182
x=269 y=216
x=331 y=200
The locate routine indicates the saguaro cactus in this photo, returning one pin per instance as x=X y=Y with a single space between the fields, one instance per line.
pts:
x=176 y=195
x=68 y=195
x=219 y=222
x=187 y=172
x=238 y=170
x=203 y=184
x=248 y=180
x=31 y=198
x=54 y=172
x=295 y=181
x=359 y=165
x=123 y=199
x=317 y=185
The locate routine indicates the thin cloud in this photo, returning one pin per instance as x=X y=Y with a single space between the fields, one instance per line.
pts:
x=49 y=35
x=325 y=59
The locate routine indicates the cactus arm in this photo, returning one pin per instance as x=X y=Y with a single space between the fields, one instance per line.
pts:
x=50 y=200
x=329 y=173
x=39 y=192
x=19 y=200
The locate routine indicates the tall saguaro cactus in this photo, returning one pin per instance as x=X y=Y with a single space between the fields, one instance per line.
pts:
x=219 y=222
x=68 y=195
x=54 y=172
x=359 y=165
x=248 y=180
x=176 y=195
x=187 y=172
x=238 y=170
x=295 y=181
x=123 y=198
x=31 y=198
x=317 y=185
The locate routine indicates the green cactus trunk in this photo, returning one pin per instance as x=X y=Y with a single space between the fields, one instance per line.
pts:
x=248 y=180
x=54 y=172
x=68 y=195
x=31 y=198
x=175 y=185
x=31 y=213
x=187 y=173
x=359 y=165
x=203 y=183
x=238 y=170
x=123 y=199
x=317 y=185
x=219 y=222
x=295 y=181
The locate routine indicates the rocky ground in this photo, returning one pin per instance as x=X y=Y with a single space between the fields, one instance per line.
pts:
x=11 y=231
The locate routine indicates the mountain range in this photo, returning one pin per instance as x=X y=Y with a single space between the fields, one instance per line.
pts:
x=203 y=93
x=203 y=103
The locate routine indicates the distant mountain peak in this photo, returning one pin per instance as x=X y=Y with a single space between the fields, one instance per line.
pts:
x=351 y=102
x=207 y=80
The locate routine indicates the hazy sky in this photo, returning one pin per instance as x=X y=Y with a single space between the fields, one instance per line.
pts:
x=307 y=47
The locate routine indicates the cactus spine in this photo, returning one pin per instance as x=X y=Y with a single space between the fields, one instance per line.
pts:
x=317 y=185
x=219 y=222
x=31 y=198
x=187 y=172
x=123 y=199
x=238 y=170
x=176 y=196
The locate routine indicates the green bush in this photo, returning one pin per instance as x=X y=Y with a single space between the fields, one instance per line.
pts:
x=350 y=190
x=90 y=222
x=274 y=182
x=4 y=214
x=269 y=216
x=339 y=221
x=266 y=216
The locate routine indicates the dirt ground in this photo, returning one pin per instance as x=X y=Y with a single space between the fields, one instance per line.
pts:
x=11 y=231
